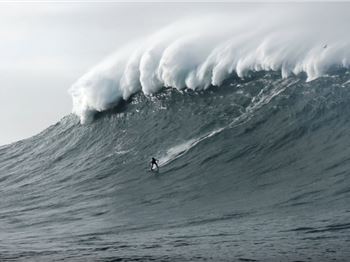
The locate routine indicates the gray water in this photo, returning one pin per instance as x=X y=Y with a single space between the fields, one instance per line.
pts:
x=254 y=170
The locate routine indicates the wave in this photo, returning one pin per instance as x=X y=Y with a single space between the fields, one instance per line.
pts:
x=178 y=151
x=257 y=169
x=200 y=52
x=255 y=156
x=264 y=96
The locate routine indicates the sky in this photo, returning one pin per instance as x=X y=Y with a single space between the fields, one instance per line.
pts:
x=46 y=47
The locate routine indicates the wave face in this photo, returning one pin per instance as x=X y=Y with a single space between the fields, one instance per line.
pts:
x=256 y=169
x=200 y=52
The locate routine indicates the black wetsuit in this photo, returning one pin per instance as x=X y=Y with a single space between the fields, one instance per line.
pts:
x=154 y=162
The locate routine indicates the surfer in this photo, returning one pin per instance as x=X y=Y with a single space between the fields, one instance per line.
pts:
x=154 y=162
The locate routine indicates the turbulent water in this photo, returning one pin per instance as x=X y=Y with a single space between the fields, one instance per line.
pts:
x=251 y=129
x=200 y=52
x=256 y=169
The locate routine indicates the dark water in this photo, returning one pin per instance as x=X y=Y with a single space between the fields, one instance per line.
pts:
x=256 y=170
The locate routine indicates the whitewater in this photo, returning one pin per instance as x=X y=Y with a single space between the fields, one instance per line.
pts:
x=197 y=53
x=247 y=112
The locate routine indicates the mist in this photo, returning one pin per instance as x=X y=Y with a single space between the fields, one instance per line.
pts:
x=203 y=50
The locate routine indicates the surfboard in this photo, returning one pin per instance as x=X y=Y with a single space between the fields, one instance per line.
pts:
x=153 y=170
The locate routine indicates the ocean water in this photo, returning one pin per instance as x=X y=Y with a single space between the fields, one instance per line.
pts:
x=249 y=117
x=254 y=170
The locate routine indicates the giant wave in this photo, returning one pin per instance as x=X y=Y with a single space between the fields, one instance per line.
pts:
x=200 y=52
x=254 y=170
x=253 y=166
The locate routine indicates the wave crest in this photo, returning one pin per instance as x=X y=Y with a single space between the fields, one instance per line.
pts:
x=198 y=53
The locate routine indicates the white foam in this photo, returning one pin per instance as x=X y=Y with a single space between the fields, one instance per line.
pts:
x=181 y=149
x=198 y=52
